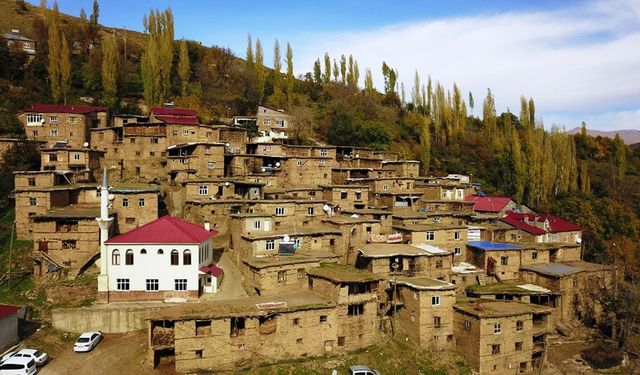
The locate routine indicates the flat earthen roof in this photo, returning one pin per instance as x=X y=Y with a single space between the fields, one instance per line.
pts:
x=343 y=273
x=424 y=283
x=388 y=250
x=565 y=268
x=486 y=308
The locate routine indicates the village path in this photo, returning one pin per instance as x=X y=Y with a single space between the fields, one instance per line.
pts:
x=231 y=286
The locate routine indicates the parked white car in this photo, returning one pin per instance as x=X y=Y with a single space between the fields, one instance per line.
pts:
x=39 y=357
x=87 y=341
x=362 y=370
x=18 y=366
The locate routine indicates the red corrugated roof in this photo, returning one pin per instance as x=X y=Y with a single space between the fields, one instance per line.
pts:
x=174 y=112
x=6 y=310
x=58 y=108
x=165 y=230
x=556 y=224
x=212 y=270
x=488 y=204
x=178 y=120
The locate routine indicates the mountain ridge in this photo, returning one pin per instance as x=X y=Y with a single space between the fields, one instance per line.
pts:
x=629 y=136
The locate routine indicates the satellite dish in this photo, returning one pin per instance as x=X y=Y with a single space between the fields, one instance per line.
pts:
x=227 y=183
x=86 y=144
x=326 y=208
x=357 y=156
x=278 y=164
x=111 y=197
x=264 y=170
x=227 y=144
x=355 y=216
x=286 y=238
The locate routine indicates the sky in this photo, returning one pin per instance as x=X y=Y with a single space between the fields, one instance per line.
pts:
x=578 y=60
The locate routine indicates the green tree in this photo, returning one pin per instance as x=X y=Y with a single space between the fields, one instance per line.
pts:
x=65 y=68
x=326 y=77
x=249 y=60
x=83 y=15
x=54 y=45
x=368 y=82
x=425 y=145
x=416 y=96
x=277 y=67
x=343 y=69
x=356 y=74
x=489 y=123
x=471 y=102
x=317 y=72
x=184 y=67
x=157 y=56
x=261 y=74
x=618 y=158
x=110 y=70
x=290 y=77
x=93 y=19
x=336 y=71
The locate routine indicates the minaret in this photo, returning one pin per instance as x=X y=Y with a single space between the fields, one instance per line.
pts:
x=104 y=222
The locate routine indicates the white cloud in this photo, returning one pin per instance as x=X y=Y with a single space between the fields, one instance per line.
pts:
x=576 y=63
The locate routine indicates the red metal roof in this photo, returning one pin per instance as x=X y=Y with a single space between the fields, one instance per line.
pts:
x=59 y=108
x=165 y=230
x=6 y=310
x=212 y=270
x=556 y=224
x=174 y=112
x=488 y=204
x=178 y=120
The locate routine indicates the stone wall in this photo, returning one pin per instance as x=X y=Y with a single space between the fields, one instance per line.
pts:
x=106 y=319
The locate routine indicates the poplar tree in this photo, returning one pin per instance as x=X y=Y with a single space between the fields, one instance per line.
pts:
x=416 y=96
x=343 y=69
x=368 y=82
x=184 y=67
x=336 y=71
x=326 y=77
x=317 y=72
x=290 y=77
x=402 y=94
x=471 y=103
x=489 y=123
x=109 y=70
x=157 y=56
x=585 y=181
x=93 y=19
x=277 y=67
x=425 y=145
x=249 y=60
x=356 y=74
x=518 y=166
x=65 y=69
x=83 y=15
x=459 y=112
x=429 y=97
x=55 y=46
x=351 y=74
x=261 y=74
x=618 y=158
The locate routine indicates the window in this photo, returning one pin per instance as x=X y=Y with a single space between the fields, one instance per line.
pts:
x=160 y=251
x=198 y=353
x=355 y=310
x=267 y=121
x=53 y=157
x=69 y=244
x=340 y=340
x=358 y=195
x=203 y=190
x=175 y=257
x=122 y=284
x=497 y=328
x=495 y=349
x=280 y=211
x=299 y=163
x=321 y=163
x=385 y=187
x=279 y=121
x=76 y=157
x=324 y=152
x=154 y=140
x=185 y=131
x=143 y=251
x=32 y=181
x=186 y=257
x=35 y=119
x=132 y=140
x=34 y=133
x=310 y=211
x=467 y=325
x=534 y=255
x=115 y=257
x=73 y=120
x=53 y=120
x=457 y=251
x=301 y=273
x=343 y=195
x=125 y=202
x=256 y=224
x=518 y=346
x=296 y=321
x=152 y=153
x=435 y=301
x=141 y=202
x=180 y=284
x=33 y=201
x=54 y=132
x=504 y=261
x=282 y=276
x=519 y=325
x=128 y=258
x=456 y=236
x=211 y=165
x=271 y=245
x=323 y=318
x=430 y=236
x=436 y=321
x=152 y=285
x=438 y=263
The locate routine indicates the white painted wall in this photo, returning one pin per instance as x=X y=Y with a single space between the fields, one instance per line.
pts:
x=155 y=266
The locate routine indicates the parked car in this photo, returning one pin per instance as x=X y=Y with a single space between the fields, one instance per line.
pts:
x=87 y=341
x=39 y=357
x=18 y=366
x=362 y=370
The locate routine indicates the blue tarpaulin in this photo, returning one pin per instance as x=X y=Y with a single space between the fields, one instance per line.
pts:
x=493 y=246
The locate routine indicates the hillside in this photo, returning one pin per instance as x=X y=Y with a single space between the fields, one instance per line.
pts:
x=629 y=136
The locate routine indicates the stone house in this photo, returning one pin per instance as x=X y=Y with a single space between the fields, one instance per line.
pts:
x=495 y=207
x=446 y=205
x=356 y=295
x=346 y=196
x=274 y=123
x=382 y=216
x=422 y=308
x=222 y=188
x=195 y=160
x=54 y=123
x=446 y=190
x=501 y=336
x=345 y=176
x=16 y=40
x=449 y=237
x=229 y=335
x=579 y=283
x=543 y=228
x=402 y=168
x=402 y=259
x=427 y=217
x=293 y=192
x=71 y=159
